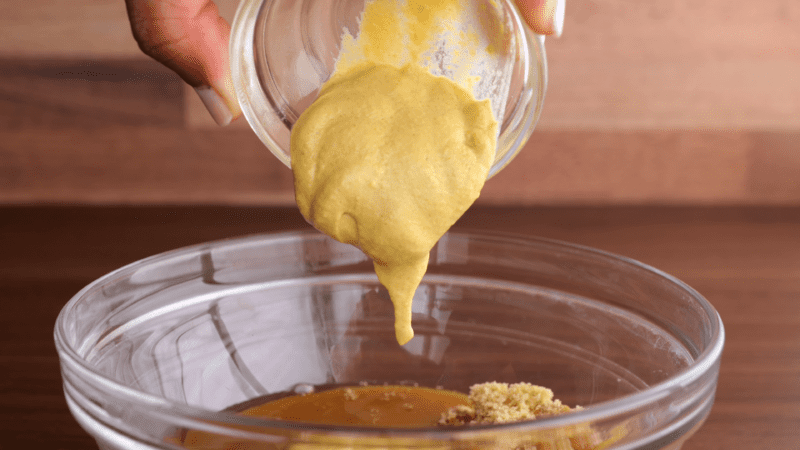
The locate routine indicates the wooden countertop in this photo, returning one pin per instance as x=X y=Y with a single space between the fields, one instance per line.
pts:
x=745 y=260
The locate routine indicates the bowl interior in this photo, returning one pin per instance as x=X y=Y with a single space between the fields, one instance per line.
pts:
x=175 y=340
x=259 y=321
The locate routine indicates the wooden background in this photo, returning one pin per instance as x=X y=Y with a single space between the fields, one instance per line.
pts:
x=658 y=102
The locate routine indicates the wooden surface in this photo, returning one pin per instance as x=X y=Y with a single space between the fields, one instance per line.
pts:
x=743 y=260
x=670 y=102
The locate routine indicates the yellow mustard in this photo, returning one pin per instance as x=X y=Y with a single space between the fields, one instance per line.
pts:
x=389 y=156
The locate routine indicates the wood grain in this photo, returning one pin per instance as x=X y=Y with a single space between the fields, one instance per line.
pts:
x=63 y=28
x=743 y=260
x=119 y=164
x=674 y=102
x=620 y=63
x=676 y=64
x=672 y=64
x=50 y=95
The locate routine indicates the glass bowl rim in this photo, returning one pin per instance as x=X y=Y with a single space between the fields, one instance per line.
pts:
x=704 y=362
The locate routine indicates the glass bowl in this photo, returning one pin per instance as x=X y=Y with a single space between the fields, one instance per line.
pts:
x=176 y=343
x=282 y=51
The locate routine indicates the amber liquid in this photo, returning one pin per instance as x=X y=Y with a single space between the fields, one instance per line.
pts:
x=364 y=406
x=356 y=406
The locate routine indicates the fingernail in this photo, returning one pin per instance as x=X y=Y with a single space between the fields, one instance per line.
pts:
x=558 y=17
x=215 y=105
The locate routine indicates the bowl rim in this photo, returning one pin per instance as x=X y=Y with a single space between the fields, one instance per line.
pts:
x=704 y=362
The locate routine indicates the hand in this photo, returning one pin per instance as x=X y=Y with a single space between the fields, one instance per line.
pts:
x=190 y=37
x=543 y=16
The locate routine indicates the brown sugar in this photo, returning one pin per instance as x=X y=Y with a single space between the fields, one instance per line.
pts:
x=413 y=406
x=502 y=403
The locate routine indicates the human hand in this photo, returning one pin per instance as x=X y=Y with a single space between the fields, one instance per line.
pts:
x=543 y=16
x=191 y=38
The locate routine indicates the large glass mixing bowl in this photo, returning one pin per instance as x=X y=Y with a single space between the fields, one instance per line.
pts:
x=180 y=340
x=282 y=51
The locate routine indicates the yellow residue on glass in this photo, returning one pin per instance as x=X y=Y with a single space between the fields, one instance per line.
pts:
x=400 y=33
x=495 y=29
x=425 y=19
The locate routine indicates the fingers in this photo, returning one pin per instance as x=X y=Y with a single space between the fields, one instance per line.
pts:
x=543 y=16
x=189 y=37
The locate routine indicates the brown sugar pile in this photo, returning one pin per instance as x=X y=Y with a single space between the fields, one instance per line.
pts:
x=502 y=403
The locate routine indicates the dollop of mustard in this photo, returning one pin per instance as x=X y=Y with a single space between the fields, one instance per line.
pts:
x=387 y=158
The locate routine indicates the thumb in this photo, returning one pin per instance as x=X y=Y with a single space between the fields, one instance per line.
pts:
x=543 y=16
x=191 y=38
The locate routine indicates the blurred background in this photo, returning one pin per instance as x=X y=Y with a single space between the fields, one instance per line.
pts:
x=670 y=134
x=689 y=102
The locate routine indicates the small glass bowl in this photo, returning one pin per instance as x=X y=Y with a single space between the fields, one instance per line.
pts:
x=172 y=345
x=282 y=51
